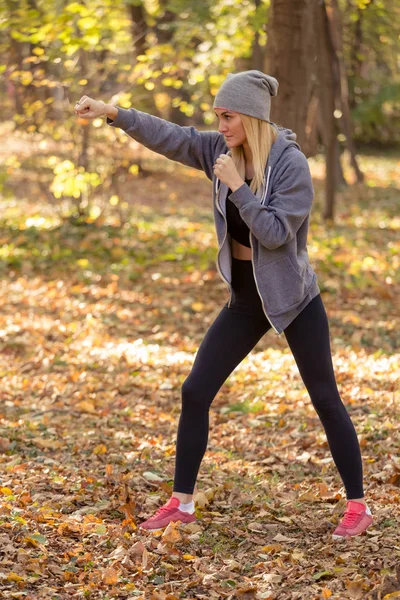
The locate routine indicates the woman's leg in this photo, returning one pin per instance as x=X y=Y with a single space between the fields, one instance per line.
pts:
x=232 y=335
x=308 y=338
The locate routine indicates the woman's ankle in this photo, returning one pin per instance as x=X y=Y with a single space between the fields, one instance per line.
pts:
x=360 y=500
x=184 y=498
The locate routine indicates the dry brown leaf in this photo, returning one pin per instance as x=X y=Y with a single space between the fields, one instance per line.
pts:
x=145 y=559
x=137 y=548
x=200 y=499
x=283 y=538
x=118 y=553
x=110 y=576
x=355 y=588
x=86 y=407
x=52 y=444
x=171 y=533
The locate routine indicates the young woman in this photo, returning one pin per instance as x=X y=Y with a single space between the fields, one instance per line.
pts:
x=262 y=197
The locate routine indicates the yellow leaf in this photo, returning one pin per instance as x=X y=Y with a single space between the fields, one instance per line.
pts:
x=188 y=557
x=86 y=406
x=326 y=593
x=198 y=306
x=6 y=491
x=271 y=549
x=100 y=449
x=14 y=577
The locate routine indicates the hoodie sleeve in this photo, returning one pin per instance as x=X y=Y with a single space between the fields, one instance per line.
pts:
x=186 y=145
x=290 y=202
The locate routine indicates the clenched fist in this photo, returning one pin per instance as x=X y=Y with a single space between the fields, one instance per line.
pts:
x=90 y=109
x=226 y=171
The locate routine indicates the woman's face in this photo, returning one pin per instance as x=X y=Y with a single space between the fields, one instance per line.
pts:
x=230 y=124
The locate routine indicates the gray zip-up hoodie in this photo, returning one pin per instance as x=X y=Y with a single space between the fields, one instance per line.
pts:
x=278 y=215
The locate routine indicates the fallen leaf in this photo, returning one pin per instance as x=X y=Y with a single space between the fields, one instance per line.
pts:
x=152 y=476
x=201 y=500
x=171 y=533
x=254 y=526
x=322 y=574
x=110 y=576
x=355 y=588
x=100 y=449
x=52 y=444
x=283 y=538
x=86 y=407
x=272 y=578
x=145 y=559
x=14 y=577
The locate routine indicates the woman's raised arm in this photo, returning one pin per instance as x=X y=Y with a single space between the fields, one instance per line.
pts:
x=186 y=145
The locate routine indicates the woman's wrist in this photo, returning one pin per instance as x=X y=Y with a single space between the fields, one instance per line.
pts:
x=110 y=111
x=236 y=185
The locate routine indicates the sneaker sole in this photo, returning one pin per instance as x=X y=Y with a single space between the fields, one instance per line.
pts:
x=347 y=537
x=165 y=526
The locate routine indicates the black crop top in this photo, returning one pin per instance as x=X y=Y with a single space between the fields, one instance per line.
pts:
x=237 y=228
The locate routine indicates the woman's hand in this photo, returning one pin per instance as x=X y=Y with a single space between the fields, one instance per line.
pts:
x=226 y=171
x=90 y=109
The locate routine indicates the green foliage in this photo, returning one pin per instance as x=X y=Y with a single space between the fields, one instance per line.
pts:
x=72 y=181
x=52 y=53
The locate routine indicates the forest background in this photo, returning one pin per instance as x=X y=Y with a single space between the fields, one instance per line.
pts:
x=108 y=284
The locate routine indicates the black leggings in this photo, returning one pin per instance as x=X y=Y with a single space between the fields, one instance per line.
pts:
x=233 y=334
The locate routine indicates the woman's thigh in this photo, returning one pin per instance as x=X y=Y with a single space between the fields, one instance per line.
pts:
x=309 y=342
x=231 y=336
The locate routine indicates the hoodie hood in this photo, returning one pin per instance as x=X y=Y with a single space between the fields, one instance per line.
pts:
x=286 y=139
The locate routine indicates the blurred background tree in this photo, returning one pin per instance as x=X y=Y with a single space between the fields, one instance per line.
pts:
x=336 y=61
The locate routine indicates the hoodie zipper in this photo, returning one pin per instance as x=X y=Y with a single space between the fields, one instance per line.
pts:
x=258 y=290
x=264 y=195
x=223 y=242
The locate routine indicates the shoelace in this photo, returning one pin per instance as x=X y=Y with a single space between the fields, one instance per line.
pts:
x=162 y=510
x=350 y=518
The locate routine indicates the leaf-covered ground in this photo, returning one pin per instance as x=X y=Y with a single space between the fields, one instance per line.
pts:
x=99 y=325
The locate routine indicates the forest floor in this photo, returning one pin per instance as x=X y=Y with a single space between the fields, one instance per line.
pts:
x=99 y=326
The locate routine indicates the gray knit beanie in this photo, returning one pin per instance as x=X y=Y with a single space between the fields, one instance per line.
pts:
x=248 y=92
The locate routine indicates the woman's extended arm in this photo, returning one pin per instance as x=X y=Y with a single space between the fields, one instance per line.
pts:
x=186 y=145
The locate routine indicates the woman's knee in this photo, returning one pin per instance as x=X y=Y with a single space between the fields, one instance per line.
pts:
x=194 y=393
x=326 y=399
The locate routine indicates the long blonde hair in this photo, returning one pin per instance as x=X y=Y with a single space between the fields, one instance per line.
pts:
x=260 y=137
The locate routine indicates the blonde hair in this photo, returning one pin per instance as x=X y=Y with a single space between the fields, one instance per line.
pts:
x=260 y=137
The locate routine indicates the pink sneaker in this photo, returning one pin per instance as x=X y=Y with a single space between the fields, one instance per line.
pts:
x=356 y=519
x=167 y=513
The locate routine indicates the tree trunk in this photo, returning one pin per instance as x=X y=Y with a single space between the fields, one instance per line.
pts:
x=257 y=54
x=138 y=29
x=291 y=56
x=336 y=32
x=356 y=62
x=326 y=78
